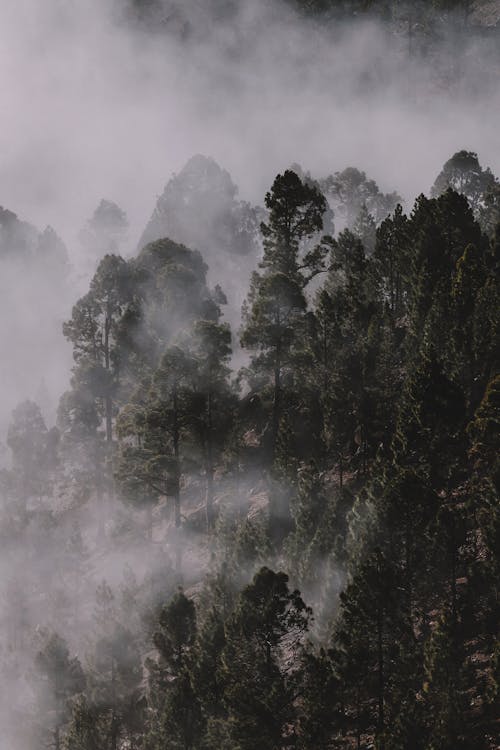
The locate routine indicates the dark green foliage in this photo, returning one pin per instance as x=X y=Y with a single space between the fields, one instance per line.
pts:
x=176 y=718
x=320 y=709
x=115 y=672
x=445 y=688
x=85 y=729
x=464 y=174
x=60 y=678
x=274 y=319
x=351 y=192
x=360 y=458
x=391 y=261
x=430 y=422
x=34 y=458
x=262 y=638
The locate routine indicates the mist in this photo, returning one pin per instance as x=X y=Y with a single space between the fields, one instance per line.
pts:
x=91 y=108
x=95 y=105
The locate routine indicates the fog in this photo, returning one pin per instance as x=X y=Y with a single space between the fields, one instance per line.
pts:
x=91 y=109
x=95 y=106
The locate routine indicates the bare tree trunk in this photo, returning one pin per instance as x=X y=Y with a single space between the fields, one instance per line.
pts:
x=149 y=512
x=108 y=409
x=114 y=719
x=107 y=363
x=381 y=676
x=209 y=467
x=276 y=408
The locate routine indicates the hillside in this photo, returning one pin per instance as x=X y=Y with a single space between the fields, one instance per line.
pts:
x=249 y=425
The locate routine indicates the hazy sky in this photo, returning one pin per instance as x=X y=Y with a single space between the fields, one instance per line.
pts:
x=90 y=109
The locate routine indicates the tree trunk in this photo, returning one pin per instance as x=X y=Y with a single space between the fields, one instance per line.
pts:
x=149 y=512
x=454 y=579
x=177 y=481
x=380 y=669
x=276 y=408
x=175 y=436
x=209 y=467
x=108 y=409
x=408 y=566
x=108 y=405
x=114 y=720
x=358 y=724
x=99 y=488
x=392 y=287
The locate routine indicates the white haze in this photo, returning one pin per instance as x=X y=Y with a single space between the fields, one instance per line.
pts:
x=91 y=109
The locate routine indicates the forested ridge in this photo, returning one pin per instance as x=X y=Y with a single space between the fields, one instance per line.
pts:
x=280 y=533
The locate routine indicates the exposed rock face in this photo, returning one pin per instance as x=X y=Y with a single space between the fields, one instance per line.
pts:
x=486 y=13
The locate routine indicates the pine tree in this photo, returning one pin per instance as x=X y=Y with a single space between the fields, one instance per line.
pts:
x=34 y=455
x=444 y=689
x=441 y=230
x=366 y=638
x=470 y=277
x=429 y=432
x=60 y=679
x=365 y=228
x=275 y=314
x=463 y=173
x=176 y=713
x=85 y=730
x=93 y=332
x=115 y=671
x=259 y=669
x=211 y=397
x=152 y=467
x=320 y=711
x=105 y=232
x=391 y=259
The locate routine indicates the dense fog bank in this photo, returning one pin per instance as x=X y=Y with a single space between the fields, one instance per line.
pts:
x=249 y=380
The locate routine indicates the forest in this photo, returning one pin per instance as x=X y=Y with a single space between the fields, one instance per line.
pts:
x=262 y=513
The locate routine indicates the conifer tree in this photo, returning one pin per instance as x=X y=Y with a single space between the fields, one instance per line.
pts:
x=34 y=454
x=275 y=314
x=93 y=332
x=463 y=173
x=60 y=679
x=211 y=398
x=262 y=637
x=115 y=671
x=85 y=730
x=366 y=638
x=176 y=713
x=391 y=259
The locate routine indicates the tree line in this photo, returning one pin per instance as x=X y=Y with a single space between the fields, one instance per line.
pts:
x=357 y=604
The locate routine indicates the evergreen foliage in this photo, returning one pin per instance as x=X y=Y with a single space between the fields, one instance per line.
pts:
x=355 y=457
